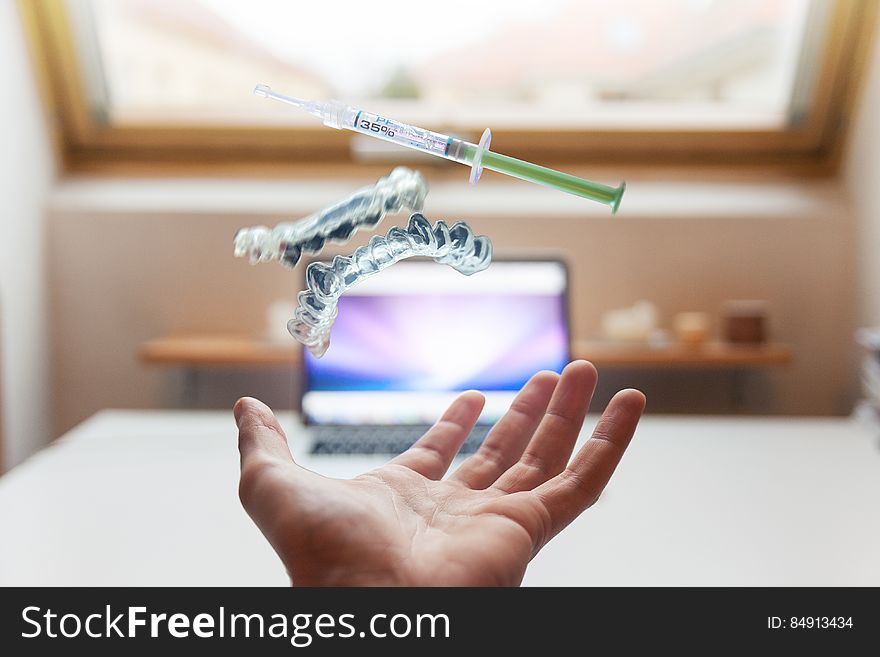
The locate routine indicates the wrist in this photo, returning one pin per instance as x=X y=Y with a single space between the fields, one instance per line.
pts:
x=340 y=577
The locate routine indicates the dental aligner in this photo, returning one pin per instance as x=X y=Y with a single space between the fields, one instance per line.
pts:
x=401 y=189
x=454 y=245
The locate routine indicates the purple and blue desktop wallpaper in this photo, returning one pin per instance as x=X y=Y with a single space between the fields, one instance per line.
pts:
x=441 y=342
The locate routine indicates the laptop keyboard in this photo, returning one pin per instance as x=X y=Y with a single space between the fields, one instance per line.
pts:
x=379 y=439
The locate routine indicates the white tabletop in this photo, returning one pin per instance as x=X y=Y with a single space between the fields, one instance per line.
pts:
x=150 y=498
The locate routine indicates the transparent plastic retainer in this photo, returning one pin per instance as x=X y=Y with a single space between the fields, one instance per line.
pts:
x=402 y=189
x=454 y=245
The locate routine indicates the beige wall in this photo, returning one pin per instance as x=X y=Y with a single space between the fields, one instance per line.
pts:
x=119 y=278
x=862 y=174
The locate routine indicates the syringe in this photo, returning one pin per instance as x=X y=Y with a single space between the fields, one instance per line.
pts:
x=478 y=156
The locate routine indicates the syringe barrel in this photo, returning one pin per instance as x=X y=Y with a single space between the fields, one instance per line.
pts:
x=336 y=114
x=402 y=134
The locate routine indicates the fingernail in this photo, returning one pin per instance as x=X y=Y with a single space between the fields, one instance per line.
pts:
x=238 y=410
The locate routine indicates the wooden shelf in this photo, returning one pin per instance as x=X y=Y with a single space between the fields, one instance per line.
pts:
x=246 y=351
x=717 y=355
x=219 y=351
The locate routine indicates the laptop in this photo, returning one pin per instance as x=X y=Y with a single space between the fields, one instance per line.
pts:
x=408 y=340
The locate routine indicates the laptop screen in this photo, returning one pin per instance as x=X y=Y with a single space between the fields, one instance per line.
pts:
x=407 y=340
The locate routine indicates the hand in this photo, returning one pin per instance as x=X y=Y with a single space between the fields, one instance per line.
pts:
x=403 y=524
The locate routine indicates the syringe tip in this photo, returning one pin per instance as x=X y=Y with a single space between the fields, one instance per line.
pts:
x=262 y=90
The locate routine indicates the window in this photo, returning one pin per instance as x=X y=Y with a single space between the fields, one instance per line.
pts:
x=578 y=81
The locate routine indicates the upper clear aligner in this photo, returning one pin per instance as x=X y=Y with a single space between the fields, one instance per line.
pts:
x=454 y=245
x=402 y=189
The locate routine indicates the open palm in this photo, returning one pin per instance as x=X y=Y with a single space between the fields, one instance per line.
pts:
x=404 y=524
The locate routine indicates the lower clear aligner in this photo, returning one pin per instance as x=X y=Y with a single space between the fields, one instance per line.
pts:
x=454 y=245
x=402 y=189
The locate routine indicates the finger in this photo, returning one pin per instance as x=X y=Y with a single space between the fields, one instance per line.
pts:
x=260 y=438
x=550 y=448
x=578 y=487
x=431 y=454
x=266 y=469
x=509 y=437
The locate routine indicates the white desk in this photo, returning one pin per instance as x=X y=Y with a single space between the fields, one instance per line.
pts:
x=148 y=498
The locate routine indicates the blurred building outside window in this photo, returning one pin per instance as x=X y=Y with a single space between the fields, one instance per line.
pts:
x=556 y=63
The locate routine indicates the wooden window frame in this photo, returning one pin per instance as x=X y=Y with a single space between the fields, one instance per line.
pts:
x=85 y=145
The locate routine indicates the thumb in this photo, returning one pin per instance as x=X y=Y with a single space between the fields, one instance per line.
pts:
x=260 y=436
